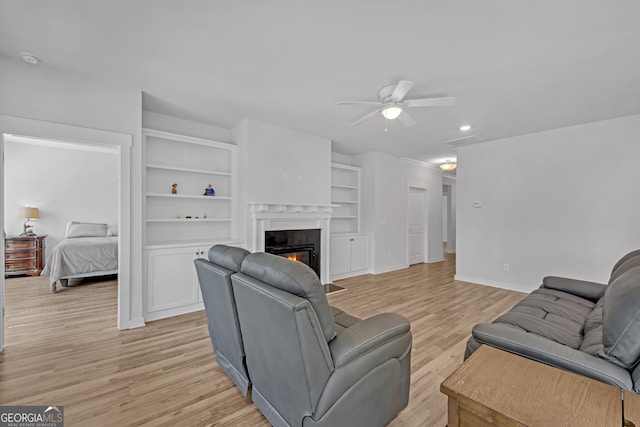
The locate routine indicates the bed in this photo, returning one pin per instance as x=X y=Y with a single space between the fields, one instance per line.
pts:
x=88 y=250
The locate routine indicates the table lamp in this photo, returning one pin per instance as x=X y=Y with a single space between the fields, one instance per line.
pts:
x=28 y=213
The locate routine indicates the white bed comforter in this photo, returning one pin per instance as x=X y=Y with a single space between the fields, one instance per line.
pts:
x=82 y=257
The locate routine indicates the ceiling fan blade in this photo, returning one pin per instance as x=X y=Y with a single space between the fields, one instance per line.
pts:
x=430 y=102
x=406 y=119
x=366 y=116
x=359 y=102
x=402 y=88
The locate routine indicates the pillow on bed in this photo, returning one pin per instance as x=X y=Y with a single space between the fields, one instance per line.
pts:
x=85 y=229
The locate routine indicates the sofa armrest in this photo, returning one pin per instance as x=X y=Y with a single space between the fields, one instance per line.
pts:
x=543 y=350
x=590 y=290
x=366 y=335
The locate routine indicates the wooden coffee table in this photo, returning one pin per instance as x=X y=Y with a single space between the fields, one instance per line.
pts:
x=631 y=409
x=496 y=388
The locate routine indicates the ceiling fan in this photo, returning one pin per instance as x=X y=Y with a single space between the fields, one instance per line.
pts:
x=392 y=104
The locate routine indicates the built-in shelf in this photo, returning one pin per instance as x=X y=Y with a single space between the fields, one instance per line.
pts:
x=191 y=164
x=191 y=170
x=345 y=195
x=188 y=196
x=343 y=202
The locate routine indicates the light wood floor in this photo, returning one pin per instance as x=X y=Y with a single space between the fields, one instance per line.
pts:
x=64 y=349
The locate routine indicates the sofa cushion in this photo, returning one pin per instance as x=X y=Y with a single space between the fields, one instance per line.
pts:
x=228 y=257
x=621 y=319
x=556 y=315
x=592 y=342
x=296 y=278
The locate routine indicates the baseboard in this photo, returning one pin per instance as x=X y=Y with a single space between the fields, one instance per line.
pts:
x=389 y=269
x=435 y=260
x=494 y=284
x=137 y=323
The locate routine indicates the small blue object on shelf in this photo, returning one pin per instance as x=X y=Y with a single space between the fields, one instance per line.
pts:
x=209 y=191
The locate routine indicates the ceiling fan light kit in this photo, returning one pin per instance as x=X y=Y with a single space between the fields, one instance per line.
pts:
x=448 y=166
x=391 y=112
x=392 y=105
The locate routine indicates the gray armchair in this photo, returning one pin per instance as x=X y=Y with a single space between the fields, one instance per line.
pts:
x=305 y=369
x=220 y=306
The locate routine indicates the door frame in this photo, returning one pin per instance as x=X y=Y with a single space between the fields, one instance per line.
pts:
x=425 y=235
x=122 y=143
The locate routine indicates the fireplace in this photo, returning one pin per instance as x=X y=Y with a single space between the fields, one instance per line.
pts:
x=299 y=245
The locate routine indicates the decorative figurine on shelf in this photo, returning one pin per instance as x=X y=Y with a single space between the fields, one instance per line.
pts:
x=209 y=191
x=174 y=188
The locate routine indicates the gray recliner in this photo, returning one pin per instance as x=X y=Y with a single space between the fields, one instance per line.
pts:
x=307 y=370
x=588 y=328
x=220 y=305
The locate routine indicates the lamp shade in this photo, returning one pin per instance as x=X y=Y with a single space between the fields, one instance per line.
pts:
x=28 y=213
x=391 y=111
x=448 y=166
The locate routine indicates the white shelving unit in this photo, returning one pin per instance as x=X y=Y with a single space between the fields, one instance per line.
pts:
x=192 y=163
x=345 y=192
x=349 y=248
x=173 y=241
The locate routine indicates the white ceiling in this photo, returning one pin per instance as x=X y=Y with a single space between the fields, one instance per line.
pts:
x=514 y=66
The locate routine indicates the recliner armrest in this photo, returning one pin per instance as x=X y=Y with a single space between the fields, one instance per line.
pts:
x=541 y=349
x=365 y=335
x=590 y=290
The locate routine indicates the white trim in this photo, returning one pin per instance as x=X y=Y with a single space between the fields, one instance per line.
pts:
x=388 y=269
x=123 y=143
x=435 y=260
x=419 y=163
x=493 y=284
x=189 y=139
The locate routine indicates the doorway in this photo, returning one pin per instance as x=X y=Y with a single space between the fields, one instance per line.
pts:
x=417 y=236
x=121 y=143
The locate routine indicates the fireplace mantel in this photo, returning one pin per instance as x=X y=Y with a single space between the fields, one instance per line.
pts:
x=266 y=216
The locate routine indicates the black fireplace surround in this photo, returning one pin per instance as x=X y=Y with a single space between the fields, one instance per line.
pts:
x=300 y=245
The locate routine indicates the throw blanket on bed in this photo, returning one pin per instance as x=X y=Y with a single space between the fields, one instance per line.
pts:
x=82 y=256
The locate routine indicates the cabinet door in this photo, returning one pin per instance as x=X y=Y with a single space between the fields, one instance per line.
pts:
x=359 y=253
x=172 y=281
x=339 y=255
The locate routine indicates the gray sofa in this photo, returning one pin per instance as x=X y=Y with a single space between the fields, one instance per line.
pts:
x=308 y=363
x=588 y=328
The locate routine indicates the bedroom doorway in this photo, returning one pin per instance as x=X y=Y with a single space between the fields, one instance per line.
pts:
x=120 y=145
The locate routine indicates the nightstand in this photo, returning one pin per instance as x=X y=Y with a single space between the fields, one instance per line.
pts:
x=23 y=255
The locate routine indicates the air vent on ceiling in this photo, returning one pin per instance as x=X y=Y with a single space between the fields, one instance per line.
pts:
x=465 y=140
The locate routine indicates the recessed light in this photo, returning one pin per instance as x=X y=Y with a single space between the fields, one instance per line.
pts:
x=465 y=128
x=30 y=58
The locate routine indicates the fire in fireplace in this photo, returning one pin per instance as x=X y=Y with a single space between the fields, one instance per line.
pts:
x=299 y=245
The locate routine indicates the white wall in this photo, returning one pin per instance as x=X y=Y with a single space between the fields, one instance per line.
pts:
x=561 y=202
x=49 y=95
x=286 y=166
x=279 y=165
x=385 y=181
x=65 y=184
